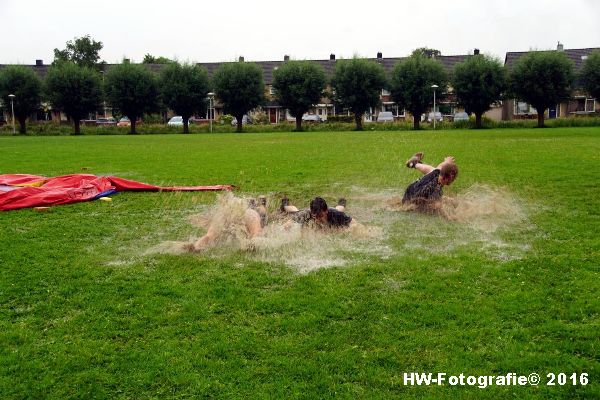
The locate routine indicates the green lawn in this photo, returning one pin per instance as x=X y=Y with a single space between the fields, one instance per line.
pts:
x=87 y=310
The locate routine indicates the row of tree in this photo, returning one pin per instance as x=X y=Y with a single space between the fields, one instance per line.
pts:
x=77 y=88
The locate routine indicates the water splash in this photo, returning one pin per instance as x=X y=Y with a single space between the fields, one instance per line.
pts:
x=476 y=217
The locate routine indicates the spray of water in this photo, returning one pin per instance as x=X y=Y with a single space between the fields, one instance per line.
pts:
x=388 y=228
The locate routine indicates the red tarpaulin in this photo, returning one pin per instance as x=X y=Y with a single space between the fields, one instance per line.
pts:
x=22 y=191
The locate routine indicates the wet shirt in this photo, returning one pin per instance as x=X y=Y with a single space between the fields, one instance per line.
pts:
x=335 y=218
x=426 y=188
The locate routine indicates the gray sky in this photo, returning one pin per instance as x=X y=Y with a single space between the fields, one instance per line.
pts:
x=203 y=31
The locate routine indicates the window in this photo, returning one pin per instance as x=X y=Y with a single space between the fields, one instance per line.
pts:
x=582 y=105
x=271 y=90
x=385 y=92
x=524 y=108
x=394 y=109
x=445 y=109
x=590 y=105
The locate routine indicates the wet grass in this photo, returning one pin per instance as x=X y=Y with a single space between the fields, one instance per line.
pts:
x=85 y=313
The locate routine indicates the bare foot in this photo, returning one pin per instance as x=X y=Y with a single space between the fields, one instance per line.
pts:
x=414 y=160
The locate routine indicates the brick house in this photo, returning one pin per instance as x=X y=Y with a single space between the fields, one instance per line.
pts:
x=579 y=104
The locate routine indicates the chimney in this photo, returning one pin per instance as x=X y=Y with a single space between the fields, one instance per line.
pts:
x=476 y=52
x=39 y=63
x=560 y=46
x=241 y=58
x=332 y=56
x=286 y=58
x=379 y=55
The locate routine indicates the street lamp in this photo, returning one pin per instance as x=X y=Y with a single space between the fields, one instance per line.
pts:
x=434 y=116
x=104 y=100
x=12 y=107
x=211 y=97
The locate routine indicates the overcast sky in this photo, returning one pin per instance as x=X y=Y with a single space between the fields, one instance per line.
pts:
x=222 y=30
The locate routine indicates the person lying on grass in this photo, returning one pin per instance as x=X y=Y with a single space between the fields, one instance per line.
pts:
x=253 y=220
x=319 y=215
x=426 y=192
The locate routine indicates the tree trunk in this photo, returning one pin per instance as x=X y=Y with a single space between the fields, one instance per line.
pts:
x=186 y=122
x=132 y=130
x=22 y=125
x=299 y=123
x=77 y=124
x=478 y=120
x=541 y=119
x=358 y=121
x=240 y=120
x=416 y=122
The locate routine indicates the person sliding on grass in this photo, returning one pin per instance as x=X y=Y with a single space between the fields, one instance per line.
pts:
x=254 y=220
x=319 y=214
x=426 y=192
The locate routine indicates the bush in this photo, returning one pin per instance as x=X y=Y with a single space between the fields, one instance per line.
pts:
x=55 y=129
x=260 y=118
x=153 y=119
x=340 y=118
x=225 y=119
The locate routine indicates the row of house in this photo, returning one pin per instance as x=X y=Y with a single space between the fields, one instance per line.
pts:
x=579 y=103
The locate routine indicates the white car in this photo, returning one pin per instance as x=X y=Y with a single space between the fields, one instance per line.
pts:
x=461 y=116
x=245 y=120
x=385 y=116
x=437 y=115
x=175 y=121
x=311 y=118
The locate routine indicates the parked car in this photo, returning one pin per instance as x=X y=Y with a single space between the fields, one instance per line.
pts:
x=314 y=118
x=106 y=122
x=124 y=122
x=175 y=121
x=245 y=120
x=385 y=116
x=461 y=116
x=437 y=115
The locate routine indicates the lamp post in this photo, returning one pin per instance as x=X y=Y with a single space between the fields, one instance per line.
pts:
x=12 y=107
x=211 y=96
x=434 y=116
x=104 y=100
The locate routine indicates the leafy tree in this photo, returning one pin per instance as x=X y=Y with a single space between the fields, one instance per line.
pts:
x=478 y=82
x=150 y=59
x=426 y=52
x=82 y=51
x=132 y=90
x=411 y=84
x=75 y=90
x=183 y=89
x=357 y=85
x=239 y=86
x=542 y=78
x=27 y=88
x=298 y=86
x=590 y=74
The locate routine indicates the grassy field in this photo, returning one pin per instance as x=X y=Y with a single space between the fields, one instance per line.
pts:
x=87 y=311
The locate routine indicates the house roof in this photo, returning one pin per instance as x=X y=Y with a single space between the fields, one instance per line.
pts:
x=268 y=67
x=574 y=55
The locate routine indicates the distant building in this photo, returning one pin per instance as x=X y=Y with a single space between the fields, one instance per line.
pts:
x=580 y=103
